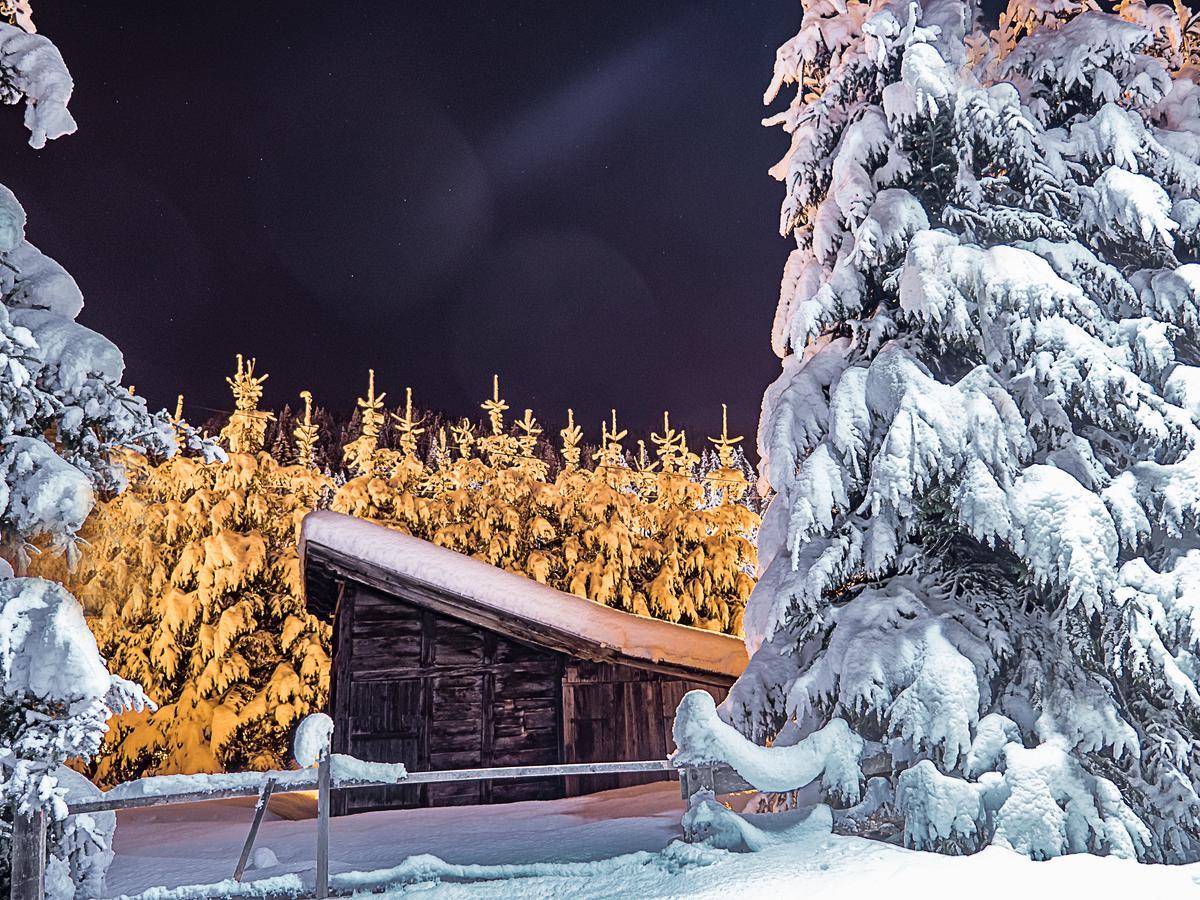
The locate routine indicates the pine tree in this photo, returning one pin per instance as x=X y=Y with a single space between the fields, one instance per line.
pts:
x=280 y=437
x=359 y=455
x=642 y=540
x=193 y=588
x=985 y=439
x=307 y=434
x=64 y=418
x=498 y=447
x=247 y=428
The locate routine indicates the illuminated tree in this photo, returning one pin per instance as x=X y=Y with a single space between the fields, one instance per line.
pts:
x=571 y=436
x=247 y=427
x=193 y=588
x=410 y=432
x=306 y=435
x=644 y=540
x=498 y=447
x=359 y=455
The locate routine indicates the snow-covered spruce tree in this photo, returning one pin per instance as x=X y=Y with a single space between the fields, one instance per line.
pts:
x=983 y=555
x=647 y=541
x=193 y=588
x=63 y=413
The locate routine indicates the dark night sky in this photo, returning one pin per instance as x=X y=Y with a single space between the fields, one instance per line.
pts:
x=574 y=195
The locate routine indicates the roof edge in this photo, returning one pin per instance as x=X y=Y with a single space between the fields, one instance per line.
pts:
x=455 y=584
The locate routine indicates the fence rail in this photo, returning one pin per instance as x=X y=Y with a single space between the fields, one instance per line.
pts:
x=30 y=833
x=288 y=782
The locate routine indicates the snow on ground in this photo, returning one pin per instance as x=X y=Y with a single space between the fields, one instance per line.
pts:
x=200 y=842
x=609 y=845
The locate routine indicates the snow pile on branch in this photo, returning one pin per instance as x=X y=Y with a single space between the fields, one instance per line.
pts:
x=831 y=754
x=34 y=70
x=1039 y=802
x=46 y=648
x=985 y=436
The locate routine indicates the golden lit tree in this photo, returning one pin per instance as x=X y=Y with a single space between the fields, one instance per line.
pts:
x=306 y=434
x=193 y=588
x=647 y=539
x=359 y=455
x=248 y=425
x=571 y=436
x=498 y=447
x=727 y=481
x=409 y=425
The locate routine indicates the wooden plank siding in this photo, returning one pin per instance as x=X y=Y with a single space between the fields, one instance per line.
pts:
x=432 y=692
x=613 y=713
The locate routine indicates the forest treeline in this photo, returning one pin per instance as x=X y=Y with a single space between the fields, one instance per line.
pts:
x=192 y=584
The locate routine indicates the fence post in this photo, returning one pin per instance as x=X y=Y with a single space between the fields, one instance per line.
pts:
x=29 y=856
x=323 y=767
x=260 y=809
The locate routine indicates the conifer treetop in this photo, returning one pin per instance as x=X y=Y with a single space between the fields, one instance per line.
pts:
x=306 y=434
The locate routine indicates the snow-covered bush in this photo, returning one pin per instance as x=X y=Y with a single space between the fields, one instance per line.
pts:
x=983 y=555
x=62 y=414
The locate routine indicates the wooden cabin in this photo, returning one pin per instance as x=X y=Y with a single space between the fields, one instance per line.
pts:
x=441 y=661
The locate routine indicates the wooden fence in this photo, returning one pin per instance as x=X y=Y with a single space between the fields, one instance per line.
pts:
x=29 y=832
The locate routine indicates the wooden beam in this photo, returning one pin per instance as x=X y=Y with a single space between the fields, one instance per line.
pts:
x=550 y=771
x=323 y=826
x=309 y=782
x=487 y=722
x=29 y=856
x=290 y=781
x=260 y=809
x=341 y=677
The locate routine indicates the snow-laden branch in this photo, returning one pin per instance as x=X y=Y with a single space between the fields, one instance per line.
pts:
x=831 y=754
x=31 y=67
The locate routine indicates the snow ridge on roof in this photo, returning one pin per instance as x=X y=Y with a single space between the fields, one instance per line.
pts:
x=631 y=636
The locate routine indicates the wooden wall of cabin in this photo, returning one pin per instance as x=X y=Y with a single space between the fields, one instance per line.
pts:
x=436 y=693
x=614 y=712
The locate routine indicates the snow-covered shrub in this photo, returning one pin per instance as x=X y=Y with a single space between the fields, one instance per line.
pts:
x=62 y=414
x=710 y=822
x=84 y=844
x=983 y=554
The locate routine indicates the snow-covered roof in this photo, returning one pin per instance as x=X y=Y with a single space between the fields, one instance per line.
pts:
x=478 y=587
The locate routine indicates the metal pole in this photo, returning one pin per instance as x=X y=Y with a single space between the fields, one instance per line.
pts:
x=323 y=825
x=260 y=809
x=29 y=856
